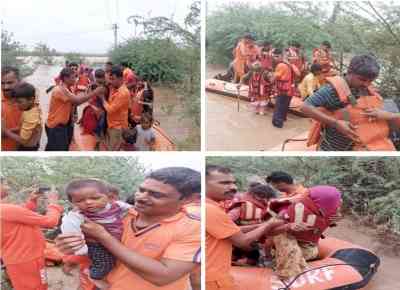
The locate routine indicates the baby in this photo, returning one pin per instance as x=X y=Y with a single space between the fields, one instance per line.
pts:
x=307 y=218
x=91 y=199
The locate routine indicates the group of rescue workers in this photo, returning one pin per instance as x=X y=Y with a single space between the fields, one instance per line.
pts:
x=277 y=223
x=348 y=112
x=149 y=242
x=118 y=109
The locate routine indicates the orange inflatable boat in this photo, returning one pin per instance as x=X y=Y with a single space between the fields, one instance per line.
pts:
x=297 y=143
x=87 y=142
x=231 y=90
x=341 y=266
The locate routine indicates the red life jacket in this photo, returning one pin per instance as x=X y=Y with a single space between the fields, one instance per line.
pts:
x=288 y=86
x=293 y=57
x=255 y=85
x=252 y=211
x=302 y=210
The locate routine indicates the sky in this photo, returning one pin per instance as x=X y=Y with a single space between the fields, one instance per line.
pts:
x=156 y=160
x=81 y=25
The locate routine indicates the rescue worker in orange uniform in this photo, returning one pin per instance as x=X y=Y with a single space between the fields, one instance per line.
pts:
x=10 y=112
x=340 y=109
x=23 y=243
x=222 y=233
x=245 y=53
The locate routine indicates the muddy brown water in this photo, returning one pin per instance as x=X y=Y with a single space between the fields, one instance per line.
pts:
x=387 y=277
x=229 y=129
x=167 y=105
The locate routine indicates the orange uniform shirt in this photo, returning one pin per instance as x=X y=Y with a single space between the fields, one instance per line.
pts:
x=219 y=227
x=11 y=118
x=282 y=72
x=117 y=108
x=176 y=238
x=60 y=109
x=21 y=236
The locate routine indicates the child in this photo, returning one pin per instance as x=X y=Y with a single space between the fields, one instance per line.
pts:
x=308 y=217
x=91 y=200
x=250 y=209
x=311 y=82
x=30 y=131
x=259 y=87
x=93 y=119
x=145 y=138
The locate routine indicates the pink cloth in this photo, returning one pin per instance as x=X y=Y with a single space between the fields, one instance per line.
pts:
x=327 y=198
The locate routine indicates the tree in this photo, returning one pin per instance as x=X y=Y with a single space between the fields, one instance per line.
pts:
x=44 y=53
x=10 y=50
x=24 y=172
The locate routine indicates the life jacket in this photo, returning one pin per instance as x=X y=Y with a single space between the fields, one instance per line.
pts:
x=303 y=210
x=288 y=86
x=83 y=83
x=293 y=57
x=255 y=86
x=373 y=134
x=251 y=211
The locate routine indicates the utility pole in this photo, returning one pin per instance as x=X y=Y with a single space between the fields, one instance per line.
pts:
x=115 y=28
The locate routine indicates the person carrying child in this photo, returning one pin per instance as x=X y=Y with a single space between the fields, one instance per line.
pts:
x=306 y=220
x=339 y=108
x=93 y=120
x=91 y=200
x=30 y=131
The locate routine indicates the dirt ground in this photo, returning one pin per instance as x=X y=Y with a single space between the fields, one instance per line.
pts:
x=167 y=106
x=387 y=277
x=230 y=130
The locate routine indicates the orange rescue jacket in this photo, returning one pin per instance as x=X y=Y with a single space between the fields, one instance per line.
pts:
x=373 y=134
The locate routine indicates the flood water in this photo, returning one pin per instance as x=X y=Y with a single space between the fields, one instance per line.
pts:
x=228 y=128
x=387 y=277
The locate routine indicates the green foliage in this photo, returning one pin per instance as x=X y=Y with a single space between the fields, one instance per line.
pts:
x=10 y=50
x=5 y=281
x=351 y=27
x=24 y=172
x=168 y=52
x=153 y=59
x=370 y=185
x=74 y=57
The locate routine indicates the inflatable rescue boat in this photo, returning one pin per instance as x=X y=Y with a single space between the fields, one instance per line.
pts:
x=341 y=266
x=87 y=142
x=231 y=90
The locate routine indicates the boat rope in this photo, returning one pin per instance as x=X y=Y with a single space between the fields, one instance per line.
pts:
x=287 y=286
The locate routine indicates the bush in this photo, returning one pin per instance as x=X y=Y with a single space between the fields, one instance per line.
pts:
x=153 y=59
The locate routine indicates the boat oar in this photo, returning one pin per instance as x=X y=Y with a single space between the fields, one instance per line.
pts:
x=238 y=97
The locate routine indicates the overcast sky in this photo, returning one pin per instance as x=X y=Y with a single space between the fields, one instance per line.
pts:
x=156 y=160
x=81 y=25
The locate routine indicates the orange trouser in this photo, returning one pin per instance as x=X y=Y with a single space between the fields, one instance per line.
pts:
x=28 y=276
x=222 y=284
